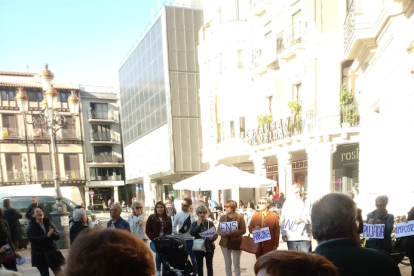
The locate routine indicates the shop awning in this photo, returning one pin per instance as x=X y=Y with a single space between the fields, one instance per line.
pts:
x=223 y=177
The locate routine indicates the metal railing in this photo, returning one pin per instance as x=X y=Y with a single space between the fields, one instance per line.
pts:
x=296 y=33
x=103 y=158
x=358 y=18
x=15 y=176
x=68 y=134
x=72 y=175
x=109 y=115
x=103 y=136
x=40 y=133
x=11 y=133
x=44 y=175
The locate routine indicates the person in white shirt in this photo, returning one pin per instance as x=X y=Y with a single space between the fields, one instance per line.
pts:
x=180 y=220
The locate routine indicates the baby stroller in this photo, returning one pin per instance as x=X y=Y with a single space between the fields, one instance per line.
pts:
x=174 y=248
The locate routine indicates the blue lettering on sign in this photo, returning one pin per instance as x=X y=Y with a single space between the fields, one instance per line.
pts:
x=374 y=231
x=291 y=226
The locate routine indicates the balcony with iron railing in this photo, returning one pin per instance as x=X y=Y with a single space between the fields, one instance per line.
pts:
x=39 y=134
x=44 y=175
x=11 y=133
x=109 y=116
x=72 y=175
x=264 y=56
x=68 y=134
x=104 y=138
x=104 y=158
x=16 y=176
x=357 y=27
x=291 y=39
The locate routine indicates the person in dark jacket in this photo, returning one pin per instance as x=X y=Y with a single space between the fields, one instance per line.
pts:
x=42 y=234
x=34 y=203
x=169 y=204
x=5 y=239
x=334 y=227
x=201 y=225
x=12 y=217
x=79 y=221
x=381 y=216
x=281 y=201
x=358 y=216
x=158 y=224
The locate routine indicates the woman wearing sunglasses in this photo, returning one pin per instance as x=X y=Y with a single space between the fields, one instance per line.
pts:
x=230 y=241
x=137 y=221
x=265 y=218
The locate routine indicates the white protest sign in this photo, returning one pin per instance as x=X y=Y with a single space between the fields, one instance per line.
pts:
x=261 y=235
x=374 y=231
x=293 y=231
x=404 y=229
x=209 y=233
x=226 y=227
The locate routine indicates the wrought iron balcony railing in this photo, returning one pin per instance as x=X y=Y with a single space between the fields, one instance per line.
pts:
x=11 y=133
x=72 y=175
x=103 y=137
x=103 y=158
x=358 y=18
x=102 y=115
x=294 y=34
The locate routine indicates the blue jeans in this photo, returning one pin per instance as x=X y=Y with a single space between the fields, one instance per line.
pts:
x=158 y=262
x=209 y=262
x=189 y=244
x=305 y=246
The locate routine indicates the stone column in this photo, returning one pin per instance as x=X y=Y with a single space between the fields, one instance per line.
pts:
x=148 y=195
x=259 y=170
x=319 y=169
x=284 y=161
x=160 y=195
x=116 y=197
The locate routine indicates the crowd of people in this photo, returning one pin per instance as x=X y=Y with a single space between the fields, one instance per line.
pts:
x=124 y=247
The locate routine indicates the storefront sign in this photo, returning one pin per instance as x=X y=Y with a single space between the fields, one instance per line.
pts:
x=296 y=165
x=346 y=155
x=267 y=133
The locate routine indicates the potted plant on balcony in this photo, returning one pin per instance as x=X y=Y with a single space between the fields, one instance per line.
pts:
x=296 y=111
x=264 y=119
x=349 y=111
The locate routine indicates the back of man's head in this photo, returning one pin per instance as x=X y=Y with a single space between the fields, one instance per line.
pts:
x=333 y=216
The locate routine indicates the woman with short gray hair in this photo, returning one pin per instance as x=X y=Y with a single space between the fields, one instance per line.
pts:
x=201 y=225
x=79 y=221
x=137 y=221
x=381 y=216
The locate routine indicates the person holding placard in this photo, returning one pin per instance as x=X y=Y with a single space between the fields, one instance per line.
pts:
x=381 y=216
x=295 y=221
x=265 y=218
x=410 y=217
x=197 y=227
x=231 y=238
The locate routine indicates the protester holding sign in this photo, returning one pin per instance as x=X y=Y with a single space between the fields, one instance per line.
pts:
x=381 y=216
x=202 y=225
x=183 y=220
x=295 y=221
x=265 y=218
x=230 y=240
x=409 y=241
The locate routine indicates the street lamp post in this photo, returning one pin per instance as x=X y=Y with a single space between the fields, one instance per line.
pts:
x=52 y=120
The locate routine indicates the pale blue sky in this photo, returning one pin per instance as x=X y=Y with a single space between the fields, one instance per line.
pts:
x=83 y=41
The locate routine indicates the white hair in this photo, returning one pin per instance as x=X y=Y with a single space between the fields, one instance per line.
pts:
x=116 y=206
x=79 y=214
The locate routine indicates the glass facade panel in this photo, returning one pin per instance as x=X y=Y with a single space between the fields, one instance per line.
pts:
x=142 y=87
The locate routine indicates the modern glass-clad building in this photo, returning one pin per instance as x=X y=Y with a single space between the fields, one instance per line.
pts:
x=160 y=110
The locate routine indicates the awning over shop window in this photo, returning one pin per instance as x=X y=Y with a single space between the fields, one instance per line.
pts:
x=223 y=177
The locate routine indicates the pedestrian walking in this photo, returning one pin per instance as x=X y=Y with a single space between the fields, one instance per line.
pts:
x=201 y=225
x=333 y=226
x=42 y=235
x=291 y=262
x=116 y=220
x=281 y=201
x=34 y=203
x=170 y=208
x=137 y=221
x=230 y=241
x=12 y=217
x=158 y=224
x=265 y=218
x=183 y=220
x=297 y=210
x=381 y=216
x=7 y=248
x=109 y=252
x=80 y=224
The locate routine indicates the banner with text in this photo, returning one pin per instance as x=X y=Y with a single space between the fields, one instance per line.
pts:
x=404 y=229
x=230 y=226
x=209 y=233
x=293 y=231
x=261 y=235
x=374 y=231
